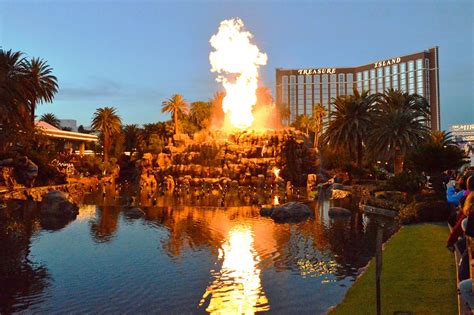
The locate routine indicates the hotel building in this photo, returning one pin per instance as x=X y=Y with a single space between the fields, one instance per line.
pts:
x=301 y=89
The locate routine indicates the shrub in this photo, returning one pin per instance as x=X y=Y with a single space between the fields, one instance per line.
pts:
x=406 y=182
x=425 y=211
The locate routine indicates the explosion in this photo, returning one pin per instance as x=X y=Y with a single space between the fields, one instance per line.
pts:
x=236 y=61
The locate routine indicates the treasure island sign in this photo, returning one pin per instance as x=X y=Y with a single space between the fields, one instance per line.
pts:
x=377 y=64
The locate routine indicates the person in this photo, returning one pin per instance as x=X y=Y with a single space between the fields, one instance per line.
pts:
x=457 y=230
x=465 y=284
x=454 y=194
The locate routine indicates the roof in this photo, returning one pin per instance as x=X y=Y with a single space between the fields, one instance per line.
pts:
x=54 y=132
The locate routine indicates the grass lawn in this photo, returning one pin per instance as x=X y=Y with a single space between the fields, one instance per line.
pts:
x=418 y=276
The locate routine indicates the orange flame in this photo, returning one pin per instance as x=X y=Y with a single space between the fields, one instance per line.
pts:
x=236 y=61
x=276 y=172
x=276 y=201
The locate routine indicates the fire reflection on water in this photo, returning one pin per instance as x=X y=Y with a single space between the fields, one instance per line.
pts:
x=237 y=287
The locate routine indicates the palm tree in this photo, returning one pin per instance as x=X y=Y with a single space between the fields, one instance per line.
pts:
x=41 y=83
x=351 y=121
x=133 y=137
x=201 y=114
x=303 y=123
x=441 y=138
x=51 y=119
x=13 y=89
x=176 y=106
x=400 y=126
x=109 y=124
x=318 y=114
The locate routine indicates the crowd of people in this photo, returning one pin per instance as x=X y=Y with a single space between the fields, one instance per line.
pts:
x=460 y=194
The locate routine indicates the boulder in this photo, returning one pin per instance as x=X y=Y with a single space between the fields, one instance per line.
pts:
x=291 y=210
x=134 y=213
x=339 y=212
x=58 y=204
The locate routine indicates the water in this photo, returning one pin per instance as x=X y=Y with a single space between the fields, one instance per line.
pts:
x=179 y=259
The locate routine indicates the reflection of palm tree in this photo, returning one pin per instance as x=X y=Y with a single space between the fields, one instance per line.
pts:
x=104 y=227
x=19 y=278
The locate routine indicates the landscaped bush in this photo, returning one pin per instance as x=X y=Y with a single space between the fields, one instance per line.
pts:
x=425 y=211
x=406 y=182
x=89 y=165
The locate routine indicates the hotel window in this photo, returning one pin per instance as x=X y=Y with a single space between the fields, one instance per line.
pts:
x=419 y=77
x=427 y=79
x=342 y=84
x=284 y=90
x=387 y=77
x=359 y=81
x=395 y=77
x=309 y=94
x=411 y=77
x=292 y=98
x=317 y=89
x=373 y=88
x=350 y=84
x=403 y=77
x=325 y=91
x=379 y=80
x=300 y=95
x=333 y=85
x=366 y=80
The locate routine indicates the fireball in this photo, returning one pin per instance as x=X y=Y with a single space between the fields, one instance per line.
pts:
x=236 y=61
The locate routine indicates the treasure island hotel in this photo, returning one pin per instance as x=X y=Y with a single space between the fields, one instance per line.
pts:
x=300 y=89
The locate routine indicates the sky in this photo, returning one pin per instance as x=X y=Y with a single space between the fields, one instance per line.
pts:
x=135 y=54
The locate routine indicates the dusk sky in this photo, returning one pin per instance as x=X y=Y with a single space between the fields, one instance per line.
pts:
x=135 y=54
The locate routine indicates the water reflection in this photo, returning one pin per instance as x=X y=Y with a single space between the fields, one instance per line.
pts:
x=237 y=287
x=22 y=281
x=105 y=224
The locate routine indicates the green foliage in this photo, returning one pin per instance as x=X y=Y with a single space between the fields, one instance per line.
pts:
x=89 y=165
x=51 y=119
x=437 y=155
x=155 y=144
x=107 y=121
x=23 y=84
x=176 y=106
x=351 y=121
x=425 y=211
x=407 y=182
x=334 y=158
x=399 y=126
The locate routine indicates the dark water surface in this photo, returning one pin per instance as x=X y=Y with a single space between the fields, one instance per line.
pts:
x=179 y=259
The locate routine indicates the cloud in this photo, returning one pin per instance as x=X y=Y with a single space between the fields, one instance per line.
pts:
x=96 y=88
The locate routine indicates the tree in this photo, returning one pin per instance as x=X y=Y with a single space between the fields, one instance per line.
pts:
x=133 y=137
x=350 y=123
x=318 y=114
x=303 y=123
x=400 y=125
x=109 y=124
x=13 y=94
x=175 y=106
x=437 y=154
x=51 y=119
x=42 y=84
x=200 y=114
